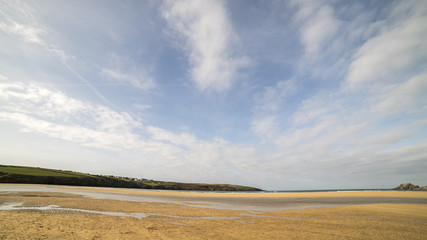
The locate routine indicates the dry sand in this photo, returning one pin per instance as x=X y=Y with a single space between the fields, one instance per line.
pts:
x=182 y=221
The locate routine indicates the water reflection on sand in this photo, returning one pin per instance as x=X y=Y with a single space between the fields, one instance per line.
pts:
x=53 y=208
x=10 y=206
x=208 y=201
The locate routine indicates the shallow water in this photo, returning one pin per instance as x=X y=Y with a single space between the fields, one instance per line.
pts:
x=18 y=206
x=229 y=203
x=15 y=206
x=212 y=203
x=267 y=216
x=53 y=208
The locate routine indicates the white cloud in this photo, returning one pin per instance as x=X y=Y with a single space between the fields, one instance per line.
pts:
x=319 y=26
x=268 y=104
x=333 y=149
x=319 y=31
x=24 y=98
x=124 y=70
x=325 y=147
x=364 y=134
x=272 y=96
x=265 y=127
x=393 y=54
x=28 y=33
x=407 y=98
x=21 y=21
x=52 y=113
x=18 y=20
x=142 y=107
x=184 y=139
x=311 y=109
x=77 y=134
x=207 y=36
x=138 y=81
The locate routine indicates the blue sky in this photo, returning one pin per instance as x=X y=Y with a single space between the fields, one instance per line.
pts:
x=272 y=94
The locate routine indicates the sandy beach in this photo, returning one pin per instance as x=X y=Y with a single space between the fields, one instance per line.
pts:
x=73 y=213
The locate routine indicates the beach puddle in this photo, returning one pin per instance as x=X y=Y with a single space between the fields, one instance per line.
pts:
x=241 y=221
x=53 y=208
x=192 y=218
x=176 y=223
x=10 y=206
x=359 y=217
x=379 y=219
x=267 y=216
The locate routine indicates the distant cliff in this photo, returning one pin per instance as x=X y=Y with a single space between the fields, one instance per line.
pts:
x=17 y=174
x=410 y=187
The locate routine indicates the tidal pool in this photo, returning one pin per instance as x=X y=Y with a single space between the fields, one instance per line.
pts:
x=10 y=206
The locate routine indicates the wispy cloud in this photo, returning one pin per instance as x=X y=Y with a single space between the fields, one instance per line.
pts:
x=271 y=97
x=28 y=33
x=125 y=71
x=319 y=28
x=355 y=125
x=42 y=110
x=24 y=25
x=140 y=82
x=206 y=34
x=268 y=104
x=394 y=54
x=265 y=127
x=406 y=98
x=329 y=34
x=18 y=20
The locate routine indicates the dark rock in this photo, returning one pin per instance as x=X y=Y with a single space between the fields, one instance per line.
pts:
x=410 y=187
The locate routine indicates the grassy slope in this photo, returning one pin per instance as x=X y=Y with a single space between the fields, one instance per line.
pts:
x=15 y=174
x=39 y=171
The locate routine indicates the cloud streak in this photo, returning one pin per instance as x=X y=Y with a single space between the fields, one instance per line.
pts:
x=205 y=33
x=52 y=113
x=392 y=55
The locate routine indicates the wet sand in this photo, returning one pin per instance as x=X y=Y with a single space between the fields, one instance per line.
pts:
x=233 y=201
x=402 y=194
x=178 y=215
x=271 y=201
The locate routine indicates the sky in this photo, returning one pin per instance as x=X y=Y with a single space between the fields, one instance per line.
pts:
x=280 y=95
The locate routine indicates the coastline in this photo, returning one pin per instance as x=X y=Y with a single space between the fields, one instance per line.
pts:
x=92 y=213
x=311 y=194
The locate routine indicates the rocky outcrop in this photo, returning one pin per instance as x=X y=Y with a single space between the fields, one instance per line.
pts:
x=410 y=187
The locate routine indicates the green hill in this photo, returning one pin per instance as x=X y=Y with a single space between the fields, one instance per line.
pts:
x=17 y=174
